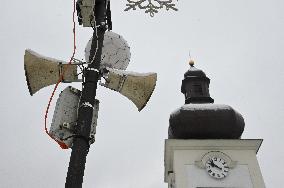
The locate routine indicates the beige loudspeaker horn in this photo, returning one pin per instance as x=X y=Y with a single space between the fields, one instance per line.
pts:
x=137 y=87
x=43 y=71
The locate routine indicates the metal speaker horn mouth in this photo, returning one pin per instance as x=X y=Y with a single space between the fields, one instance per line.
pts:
x=41 y=71
x=137 y=87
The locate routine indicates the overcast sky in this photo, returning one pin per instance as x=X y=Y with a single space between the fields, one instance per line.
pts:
x=238 y=43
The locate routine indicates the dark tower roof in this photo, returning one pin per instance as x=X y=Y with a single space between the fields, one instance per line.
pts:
x=194 y=72
x=195 y=86
x=199 y=118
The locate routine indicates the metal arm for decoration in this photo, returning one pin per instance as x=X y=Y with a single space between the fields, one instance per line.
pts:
x=151 y=7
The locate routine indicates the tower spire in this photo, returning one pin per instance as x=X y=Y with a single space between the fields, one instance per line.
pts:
x=195 y=86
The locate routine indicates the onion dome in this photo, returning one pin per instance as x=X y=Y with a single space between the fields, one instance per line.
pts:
x=199 y=118
x=206 y=121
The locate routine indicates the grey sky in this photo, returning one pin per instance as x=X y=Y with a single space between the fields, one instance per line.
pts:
x=239 y=44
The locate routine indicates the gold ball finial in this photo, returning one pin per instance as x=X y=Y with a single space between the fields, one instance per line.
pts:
x=191 y=62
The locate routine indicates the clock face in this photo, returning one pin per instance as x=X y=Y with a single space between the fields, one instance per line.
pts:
x=217 y=167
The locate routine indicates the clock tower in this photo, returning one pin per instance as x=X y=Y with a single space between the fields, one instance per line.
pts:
x=204 y=148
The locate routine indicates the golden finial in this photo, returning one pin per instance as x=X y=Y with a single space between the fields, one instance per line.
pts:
x=191 y=62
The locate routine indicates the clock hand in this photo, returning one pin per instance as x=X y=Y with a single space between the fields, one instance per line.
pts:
x=218 y=167
x=214 y=165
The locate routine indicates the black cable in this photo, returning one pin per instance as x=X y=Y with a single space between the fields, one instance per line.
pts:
x=79 y=13
x=108 y=17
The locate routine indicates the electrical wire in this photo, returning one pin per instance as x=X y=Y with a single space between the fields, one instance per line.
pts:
x=62 y=145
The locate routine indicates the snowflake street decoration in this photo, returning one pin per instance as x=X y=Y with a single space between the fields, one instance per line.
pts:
x=150 y=6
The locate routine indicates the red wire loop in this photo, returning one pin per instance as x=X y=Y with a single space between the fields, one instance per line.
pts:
x=61 y=144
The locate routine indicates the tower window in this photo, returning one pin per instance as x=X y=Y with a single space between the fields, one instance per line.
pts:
x=196 y=88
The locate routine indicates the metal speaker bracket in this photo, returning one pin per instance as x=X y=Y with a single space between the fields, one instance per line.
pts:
x=85 y=12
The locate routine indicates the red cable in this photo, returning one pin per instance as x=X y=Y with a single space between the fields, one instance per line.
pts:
x=62 y=145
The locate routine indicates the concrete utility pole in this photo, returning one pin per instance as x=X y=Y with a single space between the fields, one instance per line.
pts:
x=81 y=145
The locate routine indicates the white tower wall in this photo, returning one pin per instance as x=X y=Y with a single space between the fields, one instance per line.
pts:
x=185 y=163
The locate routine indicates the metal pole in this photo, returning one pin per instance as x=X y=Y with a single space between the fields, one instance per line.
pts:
x=81 y=146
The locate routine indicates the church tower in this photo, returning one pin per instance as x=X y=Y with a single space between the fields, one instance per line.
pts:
x=204 y=148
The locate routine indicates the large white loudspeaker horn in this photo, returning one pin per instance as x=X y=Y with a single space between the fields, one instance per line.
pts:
x=43 y=71
x=137 y=87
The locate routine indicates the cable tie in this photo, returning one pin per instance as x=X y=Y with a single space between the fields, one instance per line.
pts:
x=93 y=69
x=87 y=104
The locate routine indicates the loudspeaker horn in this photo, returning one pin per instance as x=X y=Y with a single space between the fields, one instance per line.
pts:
x=138 y=87
x=44 y=71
